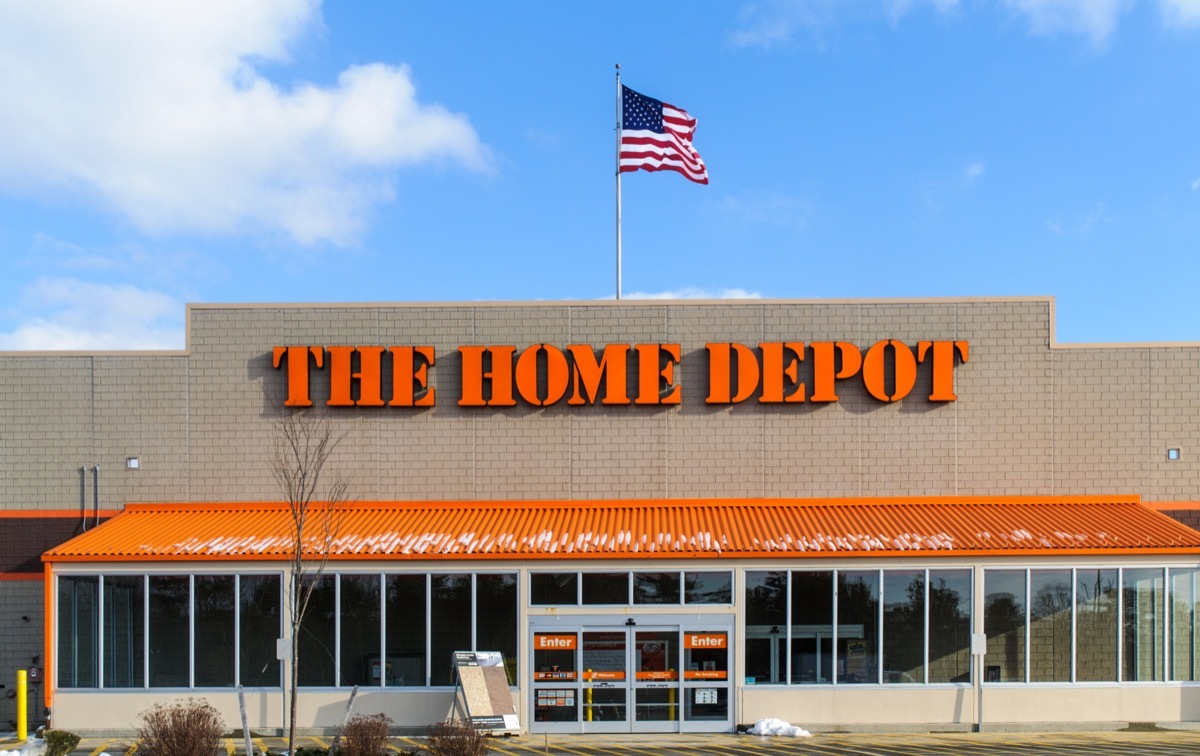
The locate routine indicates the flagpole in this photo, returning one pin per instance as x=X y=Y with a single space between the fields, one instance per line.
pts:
x=618 y=181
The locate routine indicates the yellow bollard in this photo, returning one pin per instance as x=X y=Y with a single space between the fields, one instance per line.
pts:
x=22 y=705
x=671 y=701
x=587 y=700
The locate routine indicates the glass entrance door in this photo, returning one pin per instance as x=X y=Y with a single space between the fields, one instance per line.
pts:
x=656 y=662
x=644 y=678
x=605 y=689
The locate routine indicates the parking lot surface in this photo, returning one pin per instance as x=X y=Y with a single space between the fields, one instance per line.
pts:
x=858 y=744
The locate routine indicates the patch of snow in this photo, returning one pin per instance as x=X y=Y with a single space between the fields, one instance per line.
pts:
x=777 y=727
x=34 y=746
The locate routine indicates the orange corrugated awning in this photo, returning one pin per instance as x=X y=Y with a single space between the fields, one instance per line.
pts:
x=671 y=528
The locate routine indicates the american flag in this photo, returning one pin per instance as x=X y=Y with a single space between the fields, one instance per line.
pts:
x=656 y=136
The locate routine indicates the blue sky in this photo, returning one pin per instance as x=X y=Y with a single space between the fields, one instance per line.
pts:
x=153 y=154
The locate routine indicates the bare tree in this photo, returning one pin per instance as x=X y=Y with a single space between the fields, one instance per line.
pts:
x=314 y=495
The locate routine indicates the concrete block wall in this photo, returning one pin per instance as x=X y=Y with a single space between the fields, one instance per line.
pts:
x=1030 y=417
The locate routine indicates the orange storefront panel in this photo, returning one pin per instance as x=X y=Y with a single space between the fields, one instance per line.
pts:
x=646 y=529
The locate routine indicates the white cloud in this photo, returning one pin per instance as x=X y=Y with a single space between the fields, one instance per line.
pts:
x=157 y=110
x=1095 y=19
x=65 y=313
x=898 y=8
x=1195 y=184
x=691 y=292
x=1180 y=12
x=774 y=23
x=974 y=171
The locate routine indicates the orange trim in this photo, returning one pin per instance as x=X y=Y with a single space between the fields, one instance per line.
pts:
x=48 y=649
x=1173 y=506
x=4 y=576
x=585 y=504
x=648 y=529
x=46 y=514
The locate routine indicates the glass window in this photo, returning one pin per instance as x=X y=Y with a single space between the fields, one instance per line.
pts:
x=949 y=626
x=124 y=631
x=450 y=628
x=214 y=630
x=315 y=657
x=606 y=588
x=705 y=655
x=708 y=587
x=605 y=705
x=766 y=626
x=78 y=631
x=360 y=635
x=554 y=657
x=496 y=618
x=1096 y=625
x=812 y=627
x=1185 y=646
x=1004 y=624
x=858 y=626
x=260 y=616
x=706 y=704
x=405 y=631
x=904 y=626
x=169 y=632
x=1050 y=626
x=554 y=589
x=656 y=587
x=1143 y=637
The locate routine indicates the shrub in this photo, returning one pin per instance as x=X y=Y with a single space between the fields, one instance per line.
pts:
x=454 y=738
x=366 y=735
x=60 y=742
x=185 y=728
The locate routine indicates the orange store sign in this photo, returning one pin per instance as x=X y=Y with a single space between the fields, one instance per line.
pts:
x=542 y=375
x=704 y=640
x=544 y=642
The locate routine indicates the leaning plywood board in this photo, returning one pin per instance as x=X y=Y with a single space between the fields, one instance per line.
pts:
x=483 y=690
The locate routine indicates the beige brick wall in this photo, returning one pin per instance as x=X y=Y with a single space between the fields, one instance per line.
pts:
x=1031 y=417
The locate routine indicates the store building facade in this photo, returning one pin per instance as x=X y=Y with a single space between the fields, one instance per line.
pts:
x=667 y=516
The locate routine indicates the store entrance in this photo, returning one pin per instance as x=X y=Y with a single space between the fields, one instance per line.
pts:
x=648 y=677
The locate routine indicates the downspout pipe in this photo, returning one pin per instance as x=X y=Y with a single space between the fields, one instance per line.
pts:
x=96 y=494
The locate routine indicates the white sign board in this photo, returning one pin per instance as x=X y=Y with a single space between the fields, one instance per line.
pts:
x=978 y=644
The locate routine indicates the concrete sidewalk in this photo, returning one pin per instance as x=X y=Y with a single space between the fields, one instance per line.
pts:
x=968 y=744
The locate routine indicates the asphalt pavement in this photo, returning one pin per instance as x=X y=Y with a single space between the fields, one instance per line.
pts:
x=1119 y=743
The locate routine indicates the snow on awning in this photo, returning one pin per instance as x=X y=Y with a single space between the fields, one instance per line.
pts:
x=647 y=528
